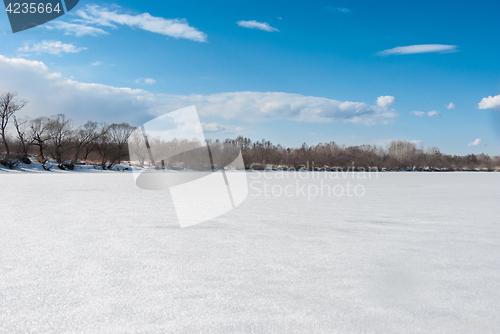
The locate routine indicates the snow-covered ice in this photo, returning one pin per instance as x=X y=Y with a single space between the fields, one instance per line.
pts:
x=93 y=253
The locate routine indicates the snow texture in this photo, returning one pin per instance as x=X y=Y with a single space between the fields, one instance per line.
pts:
x=93 y=253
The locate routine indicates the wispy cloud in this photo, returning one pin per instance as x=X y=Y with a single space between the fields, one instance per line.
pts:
x=422 y=48
x=477 y=142
x=256 y=25
x=418 y=113
x=145 y=81
x=93 y=16
x=52 y=47
x=338 y=9
x=76 y=29
x=432 y=113
x=451 y=105
x=490 y=102
x=97 y=63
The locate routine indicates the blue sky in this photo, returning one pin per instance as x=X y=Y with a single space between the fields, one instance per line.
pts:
x=281 y=70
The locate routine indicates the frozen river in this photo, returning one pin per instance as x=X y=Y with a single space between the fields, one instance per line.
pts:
x=403 y=252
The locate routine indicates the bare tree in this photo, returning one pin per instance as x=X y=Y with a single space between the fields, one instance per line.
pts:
x=118 y=136
x=60 y=129
x=83 y=139
x=102 y=146
x=9 y=105
x=137 y=147
x=23 y=135
x=40 y=135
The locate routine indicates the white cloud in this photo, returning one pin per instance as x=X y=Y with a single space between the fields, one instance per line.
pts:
x=97 y=63
x=477 y=142
x=145 y=81
x=422 y=48
x=260 y=107
x=51 y=93
x=177 y=28
x=76 y=29
x=450 y=106
x=422 y=114
x=213 y=127
x=418 y=113
x=490 y=102
x=52 y=47
x=433 y=113
x=343 y=9
x=239 y=128
x=93 y=16
x=338 y=9
x=256 y=25
x=386 y=101
x=416 y=142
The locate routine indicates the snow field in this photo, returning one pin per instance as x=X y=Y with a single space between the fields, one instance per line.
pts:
x=92 y=253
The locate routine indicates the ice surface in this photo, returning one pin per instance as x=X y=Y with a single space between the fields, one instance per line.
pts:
x=93 y=253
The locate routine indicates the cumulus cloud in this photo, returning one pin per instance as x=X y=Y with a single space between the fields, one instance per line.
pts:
x=52 y=47
x=145 y=81
x=416 y=142
x=386 y=101
x=490 y=102
x=451 y=105
x=422 y=48
x=256 y=25
x=76 y=29
x=213 y=127
x=93 y=16
x=477 y=142
x=418 y=113
x=433 y=113
x=259 y=107
x=51 y=93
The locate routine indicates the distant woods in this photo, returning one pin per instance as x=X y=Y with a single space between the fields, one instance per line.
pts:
x=399 y=155
x=105 y=145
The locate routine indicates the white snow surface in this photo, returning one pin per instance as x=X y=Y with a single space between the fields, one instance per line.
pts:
x=92 y=253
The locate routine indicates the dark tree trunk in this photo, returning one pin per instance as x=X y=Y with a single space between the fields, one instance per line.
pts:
x=6 y=145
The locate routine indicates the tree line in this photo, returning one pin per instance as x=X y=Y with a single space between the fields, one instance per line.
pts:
x=105 y=145
x=56 y=137
x=399 y=155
